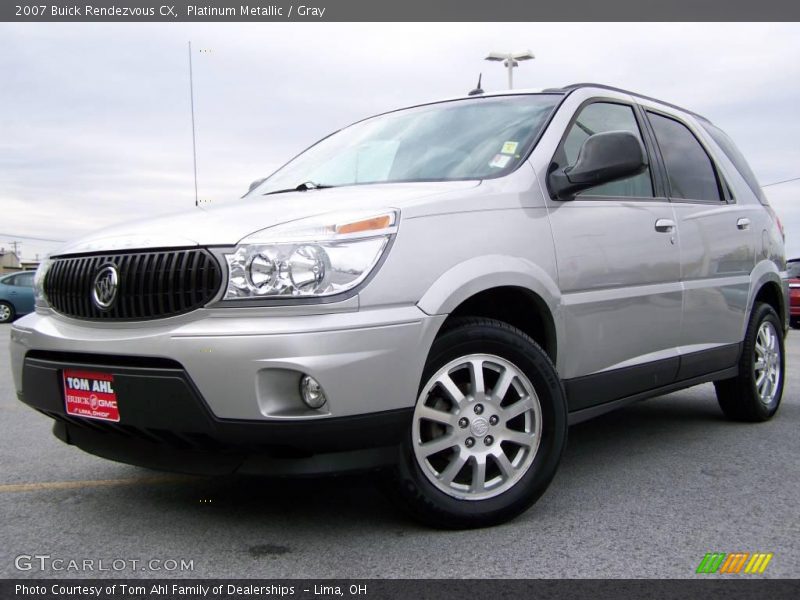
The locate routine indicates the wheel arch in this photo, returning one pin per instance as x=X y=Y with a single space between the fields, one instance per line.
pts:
x=770 y=288
x=509 y=289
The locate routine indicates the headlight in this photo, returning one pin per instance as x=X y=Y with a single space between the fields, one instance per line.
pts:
x=38 y=282
x=321 y=256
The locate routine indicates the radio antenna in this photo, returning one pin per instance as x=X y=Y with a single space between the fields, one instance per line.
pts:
x=478 y=90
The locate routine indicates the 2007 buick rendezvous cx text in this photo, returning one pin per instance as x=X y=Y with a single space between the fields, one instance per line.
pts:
x=437 y=290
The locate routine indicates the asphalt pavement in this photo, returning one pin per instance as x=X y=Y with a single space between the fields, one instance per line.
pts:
x=646 y=491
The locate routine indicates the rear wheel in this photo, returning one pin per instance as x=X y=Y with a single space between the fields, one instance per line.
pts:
x=6 y=312
x=489 y=428
x=755 y=394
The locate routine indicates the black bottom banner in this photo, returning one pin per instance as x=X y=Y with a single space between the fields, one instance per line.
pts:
x=416 y=589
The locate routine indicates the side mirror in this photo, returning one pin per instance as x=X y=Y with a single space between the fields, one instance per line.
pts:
x=604 y=157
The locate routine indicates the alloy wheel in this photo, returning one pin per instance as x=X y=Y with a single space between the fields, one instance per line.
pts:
x=767 y=363
x=477 y=427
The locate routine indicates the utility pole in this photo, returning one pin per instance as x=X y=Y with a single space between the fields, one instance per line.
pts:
x=510 y=60
x=15 y=244
x=194 y=141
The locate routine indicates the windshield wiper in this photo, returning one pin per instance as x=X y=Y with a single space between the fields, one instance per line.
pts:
x=311 y=185
x=303 y=187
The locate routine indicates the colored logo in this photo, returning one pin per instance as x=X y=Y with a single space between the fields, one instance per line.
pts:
x=737 y=562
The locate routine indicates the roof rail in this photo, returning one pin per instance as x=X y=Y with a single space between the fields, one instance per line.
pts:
x=575 y=86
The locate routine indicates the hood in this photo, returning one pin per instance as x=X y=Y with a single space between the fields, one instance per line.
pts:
x=226 y=224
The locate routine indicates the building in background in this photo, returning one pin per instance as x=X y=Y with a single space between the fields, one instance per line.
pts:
x=9 y=262
x=28 y=264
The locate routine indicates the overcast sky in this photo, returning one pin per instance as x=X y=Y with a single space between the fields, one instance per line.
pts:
x=95 y=124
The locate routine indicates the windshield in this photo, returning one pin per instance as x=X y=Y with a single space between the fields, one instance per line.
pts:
x=793 y=268
x=464 y=139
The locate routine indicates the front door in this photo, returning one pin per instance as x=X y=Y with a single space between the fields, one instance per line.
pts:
x=618 y=264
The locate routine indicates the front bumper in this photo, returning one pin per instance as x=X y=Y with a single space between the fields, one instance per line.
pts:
x=166 y=425
x=221 y=393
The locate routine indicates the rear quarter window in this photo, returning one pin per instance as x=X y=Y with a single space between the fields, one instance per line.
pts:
x=736 y=157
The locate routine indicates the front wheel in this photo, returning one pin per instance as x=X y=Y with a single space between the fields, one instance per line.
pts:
x=755 y=394
x=488 y=431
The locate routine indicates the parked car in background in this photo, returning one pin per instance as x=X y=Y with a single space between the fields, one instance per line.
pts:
x=438 y=291
x=16 y=295
x=793 y=268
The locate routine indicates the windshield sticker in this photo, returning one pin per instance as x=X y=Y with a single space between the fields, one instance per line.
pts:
x=510 y=148
x=499 y=161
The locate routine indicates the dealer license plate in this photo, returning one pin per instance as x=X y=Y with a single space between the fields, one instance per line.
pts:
x=91 y=395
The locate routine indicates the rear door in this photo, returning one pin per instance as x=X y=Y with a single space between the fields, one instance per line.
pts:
x=619 y=271
x=717 y=247
x=20 y=289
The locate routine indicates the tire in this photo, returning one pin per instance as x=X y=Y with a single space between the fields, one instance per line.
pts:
x=6 y=312
x=458 y=498
x=747 y=397
x=794 y=323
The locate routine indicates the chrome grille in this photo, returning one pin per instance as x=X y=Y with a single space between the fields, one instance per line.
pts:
x=150 y=285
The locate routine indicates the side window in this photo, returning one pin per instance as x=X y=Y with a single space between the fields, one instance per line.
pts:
x=25 y=280
x=20 y=280
x=600 y=117
x=691 y=173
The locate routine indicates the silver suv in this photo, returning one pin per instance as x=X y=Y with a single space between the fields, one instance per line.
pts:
x=436 y=291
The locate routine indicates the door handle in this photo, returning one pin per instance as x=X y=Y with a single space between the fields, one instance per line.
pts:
x=665 y=225
x=743 y=223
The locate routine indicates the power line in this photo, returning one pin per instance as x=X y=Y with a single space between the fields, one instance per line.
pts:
x=29 y=237
x=780 y=182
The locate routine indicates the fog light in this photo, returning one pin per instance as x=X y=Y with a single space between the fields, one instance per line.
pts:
x=312 y=392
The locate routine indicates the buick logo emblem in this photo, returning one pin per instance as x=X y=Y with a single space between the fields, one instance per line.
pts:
x=104 y=288
x=480 y=427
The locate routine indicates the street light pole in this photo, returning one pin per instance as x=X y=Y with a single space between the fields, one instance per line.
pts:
x=510 y=64
x=510 y=60
x=194 y=142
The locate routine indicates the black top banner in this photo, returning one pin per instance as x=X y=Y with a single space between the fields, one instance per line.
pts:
x=397 y=10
